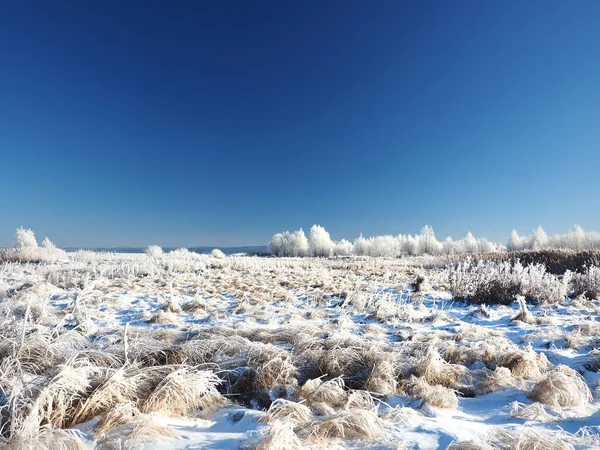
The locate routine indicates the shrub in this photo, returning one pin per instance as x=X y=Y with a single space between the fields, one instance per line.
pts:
x=154 y=251
x=587 y=283
x=280 y=436
x=25 y=238
x=47 y=243
x=500 y=282
x=555 y=261
x=216 y=253
x=27 y=250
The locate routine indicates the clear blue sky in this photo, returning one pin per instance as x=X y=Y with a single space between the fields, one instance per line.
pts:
x=191 y=123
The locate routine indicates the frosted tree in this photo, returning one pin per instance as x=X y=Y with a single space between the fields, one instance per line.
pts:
x=514 y=242
x=484 y=246
x=361 y=246
x=411 y=245
x=539 y=239
x=577 y=238
x=277 y=244
x=428 y=244
x=25 y=238
x=343 y=248
x=384 y=246
x=449 y=246
x=470 y=244
x=319 y=242
x=298 y=243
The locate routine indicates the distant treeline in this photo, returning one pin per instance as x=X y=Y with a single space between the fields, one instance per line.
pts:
x=319 y=243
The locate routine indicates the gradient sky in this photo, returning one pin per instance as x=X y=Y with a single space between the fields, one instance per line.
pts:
x=191 y=123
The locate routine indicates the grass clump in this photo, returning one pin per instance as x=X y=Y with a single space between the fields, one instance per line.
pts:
x=561 y=388
x=280 y=436
x=433 y=396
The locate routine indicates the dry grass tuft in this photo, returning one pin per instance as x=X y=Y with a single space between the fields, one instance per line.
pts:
x=382 y=378
x=527 y=364
x=434 y=396
x=55 y=402
x=134 y=435
x=274 y=366
x=562 y=387
x=535 y=412
x=498 y=380
x=359 y=400
x=436 y=371
x=172 y=306
x=357 y=424
x=185 y=392
x=402 y=415
x=197 y=306
x=374 y=329
x=280 y=409
x=329 y=392
x=121 y=415
x=524 y=315
x=163 y=318
x=322 y=409
x=525 y=439
x=48 y=439
x=280 y=436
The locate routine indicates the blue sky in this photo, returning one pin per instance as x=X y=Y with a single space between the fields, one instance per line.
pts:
x=190 y=123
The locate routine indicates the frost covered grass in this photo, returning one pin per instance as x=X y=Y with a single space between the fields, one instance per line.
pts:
x=172 y=350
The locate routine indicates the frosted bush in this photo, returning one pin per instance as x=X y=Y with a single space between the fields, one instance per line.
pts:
x=25 y=238
x=181 y=253
x=27 y=249
x=47 y=243
x=587 y=283
x=154 y=251
x=216 y=253
x=501 y=282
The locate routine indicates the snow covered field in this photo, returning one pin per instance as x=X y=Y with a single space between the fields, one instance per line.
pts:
x=188 y=351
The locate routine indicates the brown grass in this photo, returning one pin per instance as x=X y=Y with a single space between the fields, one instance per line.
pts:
x=562 y=387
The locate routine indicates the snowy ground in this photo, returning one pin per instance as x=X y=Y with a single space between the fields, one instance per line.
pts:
x=373 y=363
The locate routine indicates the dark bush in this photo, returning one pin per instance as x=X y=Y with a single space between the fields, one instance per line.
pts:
x=556 y=261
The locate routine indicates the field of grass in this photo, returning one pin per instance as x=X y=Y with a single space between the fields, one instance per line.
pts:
x=187 y=351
